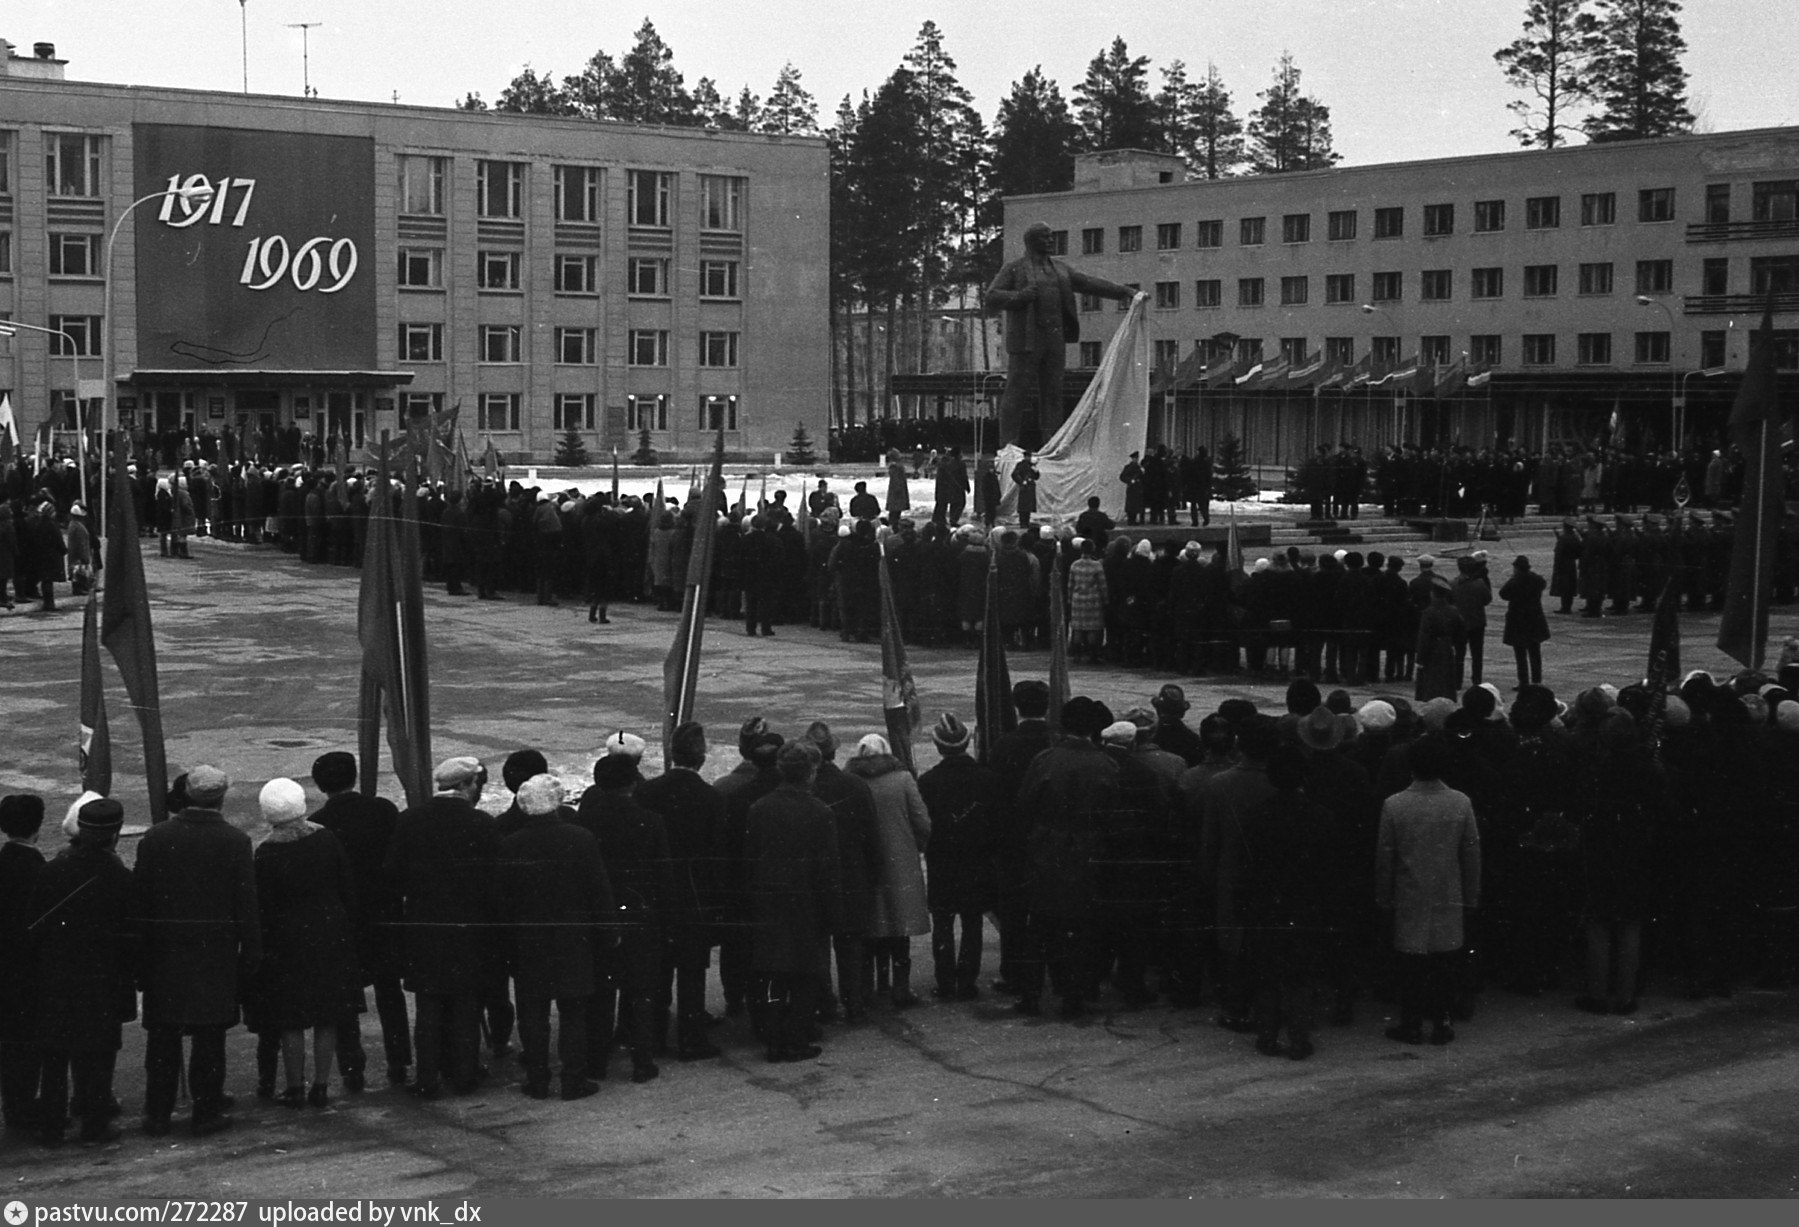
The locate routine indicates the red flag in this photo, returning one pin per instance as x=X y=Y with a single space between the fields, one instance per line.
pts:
x=1059 y=686
x=125 y=629
x=95 y=747
x=390 y=623
x=681 y=669
x=649 y=536
x=994 y=712
x=899 y=693
x=1755 y=429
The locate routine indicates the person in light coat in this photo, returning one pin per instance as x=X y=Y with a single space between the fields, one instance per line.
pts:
x=902 y=829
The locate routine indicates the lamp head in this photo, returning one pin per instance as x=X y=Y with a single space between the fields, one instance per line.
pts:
x=1367 y=309
x=196 y=193
x=1643 y=300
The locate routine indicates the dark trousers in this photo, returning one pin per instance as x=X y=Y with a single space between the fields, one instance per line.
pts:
x=1284 y=967
x=958 y=964
x=1530 y=663
x=734 y=964
x=626 y=998
x=1425 y=982
x=496 y=1010
x=21 y=1065
x=447 y=1036
x=1012 y=914
x=792 y=1010
x=758 y=608
x=683 y=981
x=47 y=593
x=205 y=1070
x=852 y=986
x=1068 y=949
x=92 y=1072
x=396 y=1038
x=571 y=1037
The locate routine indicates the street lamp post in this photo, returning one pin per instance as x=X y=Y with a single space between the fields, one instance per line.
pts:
x=1398 y=419
x=10 y=328
x=1676 y=396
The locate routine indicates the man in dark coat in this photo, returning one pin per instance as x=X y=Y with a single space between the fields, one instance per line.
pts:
x=441 y=862
x=761 y=560
x=554 y=896
x=1287 y=840
x=748 y=783
x=365 y=827
x=966 y=802
x=693 y=815
x=196 y=887
x=86 y=944
x=21 y=865
x=859 y=862
x=47 y=549
x=790 y=851
x=951 y=488
x=1009 y=757
x=1222 y=804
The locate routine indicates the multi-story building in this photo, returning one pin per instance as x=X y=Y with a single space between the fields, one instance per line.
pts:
x=1592 y=285
x=340 y=266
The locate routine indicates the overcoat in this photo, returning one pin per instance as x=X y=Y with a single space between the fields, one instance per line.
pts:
x=86 y=944
x=902 y=828
x=21 y=865
x=365 y=828
x=1068 y=794
x=442 y=862
x=966 y=802
x=553 y=896
x=790 y=851
x=1427 y=866
x=196 y=891
x=858 y=850
x=310 y=976
x=1525 y=622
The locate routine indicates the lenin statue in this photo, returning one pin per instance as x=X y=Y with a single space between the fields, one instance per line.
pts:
x=1037 y=293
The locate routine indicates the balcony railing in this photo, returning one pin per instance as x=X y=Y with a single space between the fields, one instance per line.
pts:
x=1738 y=304
x=1728 y=232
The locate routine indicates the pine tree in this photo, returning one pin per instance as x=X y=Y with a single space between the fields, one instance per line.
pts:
x=1550 y=61
x=571 y=450
x=790 y=110
x=1176 y=104
x=646 y=451
x=532 y=93
x=1230 y=471
x=1034 y=139
x=1114 y=103
x=1636 y=74
x=1289 y=131
x=1217 y=149
x=799 y=452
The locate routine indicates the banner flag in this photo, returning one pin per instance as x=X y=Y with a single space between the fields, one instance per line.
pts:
x=994 y=712
x=681 y=669
x=390 y=624
x=1059 y=686
x=95 y=747
x=9 y=430
x=899 y=693
x=125 y=628
x=1755 y=428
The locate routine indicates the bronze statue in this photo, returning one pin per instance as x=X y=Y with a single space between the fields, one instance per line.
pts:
x=1037 y=293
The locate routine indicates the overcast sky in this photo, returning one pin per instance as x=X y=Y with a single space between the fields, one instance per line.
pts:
x=1403 y=78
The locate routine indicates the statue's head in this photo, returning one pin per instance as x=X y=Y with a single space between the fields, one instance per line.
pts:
x=1036 y=238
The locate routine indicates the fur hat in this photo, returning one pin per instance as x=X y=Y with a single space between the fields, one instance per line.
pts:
x=541 y=794
x=21 y=813
x=282 y=801
x=1120 y=734
x=612 y=772
x=872 y=746
x=950 y=734
x=1786 y=716
x=1436 y=713
x=688 y=740
x=520 y=766
x=1376 y=715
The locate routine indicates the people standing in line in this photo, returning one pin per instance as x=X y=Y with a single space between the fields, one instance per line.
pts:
x=1526 y=627
x=1025 y=476
x=1471 y=592
x=965 y=802
x=902 y=829
x=951 y=488
x=48 y=551
x=21 y=866
x=852 y=808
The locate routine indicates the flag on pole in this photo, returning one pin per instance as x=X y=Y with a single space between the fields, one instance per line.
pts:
x=994 y=712
x=681 y=670
x=1059 y=688
x=44 y=441
x=899 y=693
x=490 y=462
x=340 y=456
x=762 y=499
x=460 y=470
x=1755 y=428
x=649 y=534
x=9 y=430
x=1233 y=546
x=615 y=474
x=125 y=629
x=1664 y=636
x=390 y=623
x=743 y=497
x=94 y=753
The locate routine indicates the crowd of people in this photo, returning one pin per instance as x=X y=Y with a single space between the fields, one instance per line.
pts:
x=1287 y=868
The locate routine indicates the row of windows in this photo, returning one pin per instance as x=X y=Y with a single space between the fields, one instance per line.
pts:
x=422 y=268
x=1483 y=349
x=504 y=343
x=500 y=192
x=499 y=411
x=1774 y=200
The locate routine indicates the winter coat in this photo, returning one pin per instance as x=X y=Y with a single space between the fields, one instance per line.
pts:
x=365 y=828
x=902 y=829
x=442 y=862
x=1018 y=583
x=1441 y=635
x=195 y=879
x=858 y=850
x=663 y=545
x=310 y=976
x=791 y=863
x=9 y=543
x=1525 y=622
x=553 y=896
x=21 y=865
x=967 y=804
x=1564 y=579
x=1068 y=794
x=86 y=948
x=1087 y=595
x=1427 y=866
x=47 y=548
x=971 y=584
x=634 y=846
x=693 y=816
x=899 y=499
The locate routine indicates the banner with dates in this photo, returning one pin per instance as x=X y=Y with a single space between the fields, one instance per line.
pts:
x=272 y=268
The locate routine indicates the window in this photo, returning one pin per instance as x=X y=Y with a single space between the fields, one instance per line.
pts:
x=1776 y=274
x=1653 y=348
x=1655 y=276
x=71 y=164
x=648 y=347
x=499 y=189
x=1090 y=302
x=1130 y=238
x=74 y=255
x=721 y=202
x=576 y=274
x=1539 y=349
x=1168 y=236
x=646 y=413
x=1717 y=202
x=1293 y=349
x=718 y=411
x=1249 y=349
x=1539 y=280
x=1599 y=208
x=1655 y=204
x=1208 y=293
x=5 y=253
x=1433 y=350
x=1341 y=224
x=1434 y=285
x=421 y=268
x=1439 y=219
x=1786 y=349
x=1596 y=278
x=497 y=270
x=1251 y=231
x=646 y=197
x=573 y=411
x=1339 y=287
x=84 y=332
x=1058 y=242
x=415 y=404
x=1485 y=348
x=1774 y=201
x=1168 y=294
x=1488 y=283
x=1093 y=241
x=497 y=411
x=1249 y=292
x=1296 y=228
x=421 y=184
x=647 y=276
x=1595 y=349
x=1489 y=216
x=1384 y=350
x=1091 y=353
x=1295 y=291
x=577 y=193
x=718 y=279
x=5 y=163
x=1386 y=287
x=1339 y=351
x=1167 y=355
x=1389 y=223
x=575 y=346
x=1208 y=234
x=1543 y=213
x=421 y=342
x=718 y=348
x=499 y=343
x=1711 y=349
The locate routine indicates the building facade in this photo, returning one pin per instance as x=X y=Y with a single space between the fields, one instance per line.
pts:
x=341 y=266
x=1592 y=290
